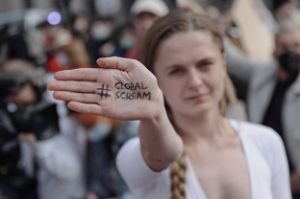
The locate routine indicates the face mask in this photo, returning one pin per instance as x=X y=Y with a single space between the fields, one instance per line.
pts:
x=99 y=132
x=62 y=58
x=81 y=26
x=101 y=32
x=62 y=38
x=126 y=43
x=290 y=62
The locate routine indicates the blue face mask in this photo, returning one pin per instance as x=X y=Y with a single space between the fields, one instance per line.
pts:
x=99 y=132
x=126 y=43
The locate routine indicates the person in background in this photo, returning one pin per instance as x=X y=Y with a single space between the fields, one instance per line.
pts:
x=17 y=176
x=144 y=13
x=104 y=141
x=25 y=115
x=60 y=160
x=183 y=134
x=100 y=40
x=285 y=9
x=79 y=26
x=124 y=38
x=272 y=97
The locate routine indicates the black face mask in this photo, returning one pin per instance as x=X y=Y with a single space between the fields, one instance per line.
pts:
x=290 y=62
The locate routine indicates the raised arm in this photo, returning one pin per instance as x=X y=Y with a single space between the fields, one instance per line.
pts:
x=123 y=89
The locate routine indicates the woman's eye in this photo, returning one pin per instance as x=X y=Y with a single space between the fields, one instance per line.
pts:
x=176 y=71
x=204 y=65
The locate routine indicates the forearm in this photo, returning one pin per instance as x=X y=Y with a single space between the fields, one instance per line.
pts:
x=160 y=144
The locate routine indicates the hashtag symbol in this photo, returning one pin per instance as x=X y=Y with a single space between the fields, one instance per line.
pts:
x=103 y=91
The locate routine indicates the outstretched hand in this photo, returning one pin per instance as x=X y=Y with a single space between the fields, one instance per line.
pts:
x=120 y=88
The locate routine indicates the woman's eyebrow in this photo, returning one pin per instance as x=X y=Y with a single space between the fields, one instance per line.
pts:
x=206 y=59
x=170 y=67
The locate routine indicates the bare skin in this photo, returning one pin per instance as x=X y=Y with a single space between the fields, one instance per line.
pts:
x=222 y=167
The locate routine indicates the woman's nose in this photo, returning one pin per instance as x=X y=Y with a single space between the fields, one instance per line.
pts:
x=194 y=78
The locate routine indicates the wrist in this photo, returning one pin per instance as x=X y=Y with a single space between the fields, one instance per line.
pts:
x=158 y=110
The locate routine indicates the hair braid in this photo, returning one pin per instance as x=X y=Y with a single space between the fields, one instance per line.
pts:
x=178 y=178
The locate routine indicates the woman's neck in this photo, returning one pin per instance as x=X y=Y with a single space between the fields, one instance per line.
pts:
x=210 y=128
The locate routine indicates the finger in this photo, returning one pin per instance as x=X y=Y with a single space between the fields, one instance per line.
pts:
x=85 y=108
x=72 y=96
x=118 y=63
x=80 y=74
x=76 y=86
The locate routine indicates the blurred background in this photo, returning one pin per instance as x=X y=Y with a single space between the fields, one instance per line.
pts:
x=49 y=152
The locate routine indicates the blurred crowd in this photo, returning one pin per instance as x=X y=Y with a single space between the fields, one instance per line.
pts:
x=50 y=152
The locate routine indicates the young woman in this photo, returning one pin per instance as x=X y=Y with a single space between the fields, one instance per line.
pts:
x=186 y=147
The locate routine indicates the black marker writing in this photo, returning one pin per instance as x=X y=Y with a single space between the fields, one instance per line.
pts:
x=130 y=86
x=132 y=91
x=103 y=91
x=133 y=95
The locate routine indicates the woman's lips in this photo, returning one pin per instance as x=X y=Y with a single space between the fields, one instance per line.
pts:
x=197 y=97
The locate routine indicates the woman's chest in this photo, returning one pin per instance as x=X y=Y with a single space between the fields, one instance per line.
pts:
x=234 y=173
x=222 y=173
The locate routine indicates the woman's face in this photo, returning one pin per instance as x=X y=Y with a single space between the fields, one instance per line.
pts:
x=190 y=70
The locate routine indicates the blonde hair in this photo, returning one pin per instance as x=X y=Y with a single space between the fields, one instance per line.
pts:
x=178 y=178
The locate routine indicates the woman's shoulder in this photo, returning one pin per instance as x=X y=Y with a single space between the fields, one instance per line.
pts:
x=262 y=136
x=132 y=142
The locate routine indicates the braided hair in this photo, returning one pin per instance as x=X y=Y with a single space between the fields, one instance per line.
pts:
x=178 y=178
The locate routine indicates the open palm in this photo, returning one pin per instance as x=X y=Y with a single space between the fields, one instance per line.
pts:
x=120 y=88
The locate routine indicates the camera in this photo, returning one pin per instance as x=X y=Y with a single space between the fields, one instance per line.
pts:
x=38 y=117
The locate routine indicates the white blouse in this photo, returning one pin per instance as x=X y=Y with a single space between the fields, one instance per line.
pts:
x=265 y=156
